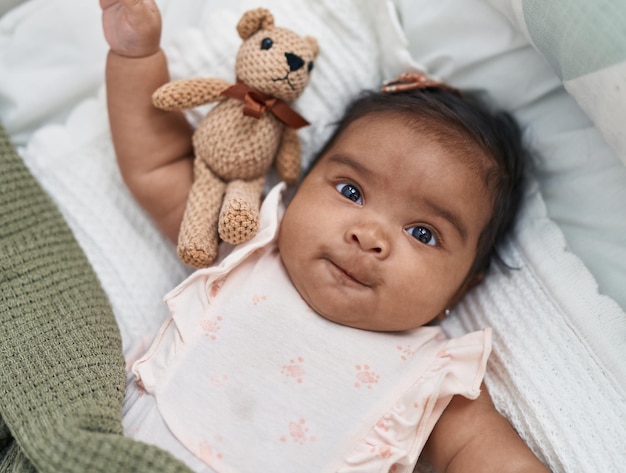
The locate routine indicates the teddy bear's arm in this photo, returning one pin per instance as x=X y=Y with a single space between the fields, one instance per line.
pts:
x=188 y=93
x=288 y=157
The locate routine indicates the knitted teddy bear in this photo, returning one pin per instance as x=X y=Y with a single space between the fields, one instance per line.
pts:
x=250 y=128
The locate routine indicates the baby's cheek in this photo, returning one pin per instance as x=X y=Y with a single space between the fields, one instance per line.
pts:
x=415 y=302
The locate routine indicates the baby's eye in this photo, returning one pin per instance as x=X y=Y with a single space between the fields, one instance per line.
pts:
x=423 y=234
x=351 y=192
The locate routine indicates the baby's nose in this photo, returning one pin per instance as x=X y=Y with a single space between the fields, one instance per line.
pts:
x=295 y=62
x=371 y=238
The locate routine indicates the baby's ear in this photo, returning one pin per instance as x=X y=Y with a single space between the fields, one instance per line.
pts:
x=469 y=284
x=474 y=281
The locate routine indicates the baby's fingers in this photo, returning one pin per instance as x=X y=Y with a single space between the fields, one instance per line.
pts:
x=131 y=27
x=130 y=6
x=144 y=10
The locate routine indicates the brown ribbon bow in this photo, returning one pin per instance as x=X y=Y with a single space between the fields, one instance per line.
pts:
x=256 y=103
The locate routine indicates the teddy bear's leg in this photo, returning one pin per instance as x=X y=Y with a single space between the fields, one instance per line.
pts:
x=288 y=157
x=198 y=238
x=239 y=217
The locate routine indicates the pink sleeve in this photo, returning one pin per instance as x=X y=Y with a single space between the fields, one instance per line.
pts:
x=396 y=441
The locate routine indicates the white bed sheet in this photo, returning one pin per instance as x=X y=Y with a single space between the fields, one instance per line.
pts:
x=556 y=371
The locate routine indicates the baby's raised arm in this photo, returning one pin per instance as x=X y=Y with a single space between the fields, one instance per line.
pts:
x=471 y=436
x=153 y=147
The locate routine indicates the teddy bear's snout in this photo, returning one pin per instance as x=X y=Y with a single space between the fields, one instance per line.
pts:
x=295 y=62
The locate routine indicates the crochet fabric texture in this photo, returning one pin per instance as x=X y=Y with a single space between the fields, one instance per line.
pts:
x=62 y=377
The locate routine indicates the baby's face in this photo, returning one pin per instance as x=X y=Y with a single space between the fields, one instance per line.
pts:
x=382 y=232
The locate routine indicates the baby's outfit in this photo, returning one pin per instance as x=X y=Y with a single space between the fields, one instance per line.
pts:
x=250 y=379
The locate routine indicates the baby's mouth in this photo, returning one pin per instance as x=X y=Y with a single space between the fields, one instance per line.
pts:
x=348 y=275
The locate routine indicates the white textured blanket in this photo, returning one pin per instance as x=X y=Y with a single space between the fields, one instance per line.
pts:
x=557 y=367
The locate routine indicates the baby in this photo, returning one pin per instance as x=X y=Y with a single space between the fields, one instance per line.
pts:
x=306 y=348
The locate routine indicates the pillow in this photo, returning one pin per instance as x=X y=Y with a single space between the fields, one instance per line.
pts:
x=585 y=43
x=43 y=78
x=6 y=5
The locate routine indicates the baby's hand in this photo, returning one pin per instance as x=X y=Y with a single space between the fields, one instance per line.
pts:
x=131 y=27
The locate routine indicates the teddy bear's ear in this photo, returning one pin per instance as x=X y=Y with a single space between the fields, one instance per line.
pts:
x=253 y=21
x=312 y=43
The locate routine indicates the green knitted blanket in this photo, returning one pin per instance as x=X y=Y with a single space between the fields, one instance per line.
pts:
x=62 y=376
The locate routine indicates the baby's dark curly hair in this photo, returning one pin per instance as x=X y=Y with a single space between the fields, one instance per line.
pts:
x=489 y=140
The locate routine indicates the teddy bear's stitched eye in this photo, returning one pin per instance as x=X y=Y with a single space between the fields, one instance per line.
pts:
x=267 y=43
x=310 y=66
